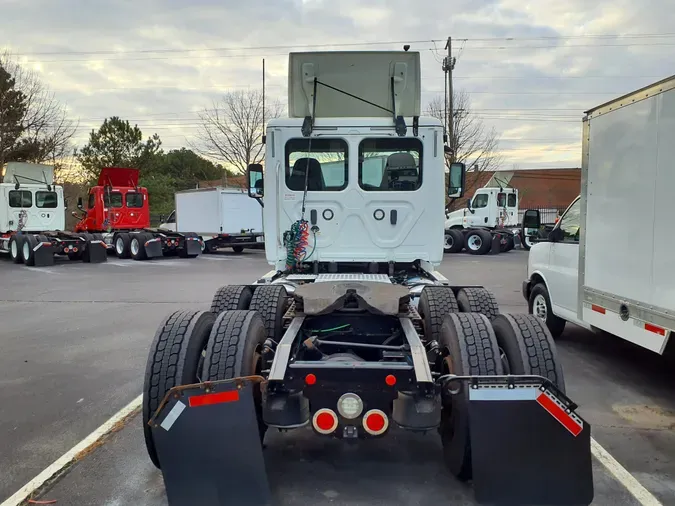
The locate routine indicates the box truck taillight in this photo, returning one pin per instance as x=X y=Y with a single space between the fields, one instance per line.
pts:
x=653 y=328
x=598 y=309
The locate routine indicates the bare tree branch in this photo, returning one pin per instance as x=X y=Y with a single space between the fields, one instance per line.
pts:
x=231 y=130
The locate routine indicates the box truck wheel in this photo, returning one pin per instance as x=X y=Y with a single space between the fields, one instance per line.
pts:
x=237 y=249
x=271 y=302
x=470 y=346
x=435 y=303
x=528 y=347
x=454 y=241
x=478 y=242
x=15 y=248
x=175 y=358
x=234 y=350
x=231 y=297
x=477 y=300
x=539 y=304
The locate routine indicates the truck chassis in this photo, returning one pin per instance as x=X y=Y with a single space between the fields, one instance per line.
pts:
x=145 y=244
x=352 y=356
x=38 y=249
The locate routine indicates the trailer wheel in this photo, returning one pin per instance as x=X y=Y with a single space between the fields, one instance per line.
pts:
x=231 y=297
x=454 y=241
x=271 y=302
x=237 y=249
x=435 y=303
x=478 y=242
x=175 y=358
x=137 y=246
x=539 y=304
x=235 y=349
x=16 y=247
x=477 y=300
x=528 y=347
x=121 y=242
x=471 y=348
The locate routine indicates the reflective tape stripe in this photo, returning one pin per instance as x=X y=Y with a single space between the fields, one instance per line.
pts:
x=504 y=394
x=569 y=420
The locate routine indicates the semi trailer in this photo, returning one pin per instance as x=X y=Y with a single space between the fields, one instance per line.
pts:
x=118 y=210
x=581 y=273
x=33 y=218
x=354 y=334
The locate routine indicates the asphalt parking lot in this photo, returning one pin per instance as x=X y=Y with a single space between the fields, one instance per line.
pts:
x=74 y=340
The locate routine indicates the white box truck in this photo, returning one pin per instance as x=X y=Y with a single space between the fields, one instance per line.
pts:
x=609 y=263
x=222 y=217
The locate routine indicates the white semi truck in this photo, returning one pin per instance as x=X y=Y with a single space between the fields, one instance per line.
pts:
x=221 y=217
x=586 y=272
x=354 y=334
x=33 y=218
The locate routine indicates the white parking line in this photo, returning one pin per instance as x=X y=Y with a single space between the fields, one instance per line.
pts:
x=27 y=490
x=640 y=493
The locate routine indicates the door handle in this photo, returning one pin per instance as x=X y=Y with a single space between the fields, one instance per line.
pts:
x=313 y=216
x=393 y=216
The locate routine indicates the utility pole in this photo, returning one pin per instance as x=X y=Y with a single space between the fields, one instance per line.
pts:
x=448 y=66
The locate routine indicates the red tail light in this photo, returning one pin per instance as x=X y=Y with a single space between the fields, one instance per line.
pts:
x=325 y=421
x=375 y=422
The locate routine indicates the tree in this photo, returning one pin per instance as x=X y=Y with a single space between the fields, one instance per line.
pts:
x=117 y=144
x=34 y=126
x=231 y=130
x=472 y=143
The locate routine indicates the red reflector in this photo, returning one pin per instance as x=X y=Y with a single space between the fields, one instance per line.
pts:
x=310 y=379
x=325 y=421
x=390 y=380
x=655 y=329
x=217 y=398
x=559 y=414
x=599 y=309
x=75 y=250
x=375 y=422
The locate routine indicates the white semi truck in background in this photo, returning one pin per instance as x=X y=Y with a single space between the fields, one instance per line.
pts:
x=586 y=272
x=222 y=217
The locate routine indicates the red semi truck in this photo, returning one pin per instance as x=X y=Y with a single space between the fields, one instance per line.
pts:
x=119 y=210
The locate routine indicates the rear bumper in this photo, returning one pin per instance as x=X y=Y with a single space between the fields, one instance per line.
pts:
x=238 y=240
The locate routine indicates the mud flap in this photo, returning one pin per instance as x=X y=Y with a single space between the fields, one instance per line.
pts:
x=193 y=246
x=43 y=254
x=209 y=447
x=528 y=446
x=97 y=252
x=153 y=247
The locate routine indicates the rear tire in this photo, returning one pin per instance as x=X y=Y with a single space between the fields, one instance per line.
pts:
x=539 y=304
x=235 y=350
x=471 y=347
x=175 y=358
x=228 y=298
x=454 y=241
x=16 y=247
x=478 y=242
x=137 y=246
x=28 y=249
x=237 y=249
x=510 y=242
x=477 y=300
x=121 y=244
x=271 y=302
x=435 y=303
x=528 y=347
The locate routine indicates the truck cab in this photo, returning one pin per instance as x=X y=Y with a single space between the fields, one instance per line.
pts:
x=116 y=203
x=489 y=207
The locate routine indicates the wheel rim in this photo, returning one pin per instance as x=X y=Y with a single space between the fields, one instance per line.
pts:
x=539 y=308
x=135 y=247
x=14 y=250
x=119 y=245
x=448 y=241
x=474 y=242
x=26 y=250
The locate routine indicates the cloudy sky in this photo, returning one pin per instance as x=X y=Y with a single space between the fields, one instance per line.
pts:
x=530 y=67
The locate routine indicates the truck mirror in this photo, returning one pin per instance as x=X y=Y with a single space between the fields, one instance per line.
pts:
x=255 y=180
x=468 y=203
x=531 y=219
x=456 y=180
x=79 y=203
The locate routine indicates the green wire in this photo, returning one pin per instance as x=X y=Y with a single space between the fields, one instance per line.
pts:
x=339 y=327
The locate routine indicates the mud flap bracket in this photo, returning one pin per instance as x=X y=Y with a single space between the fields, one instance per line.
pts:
x=209 y=447
x=528 y=446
